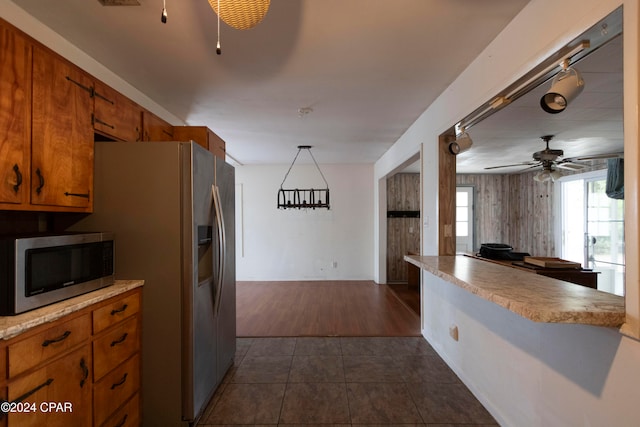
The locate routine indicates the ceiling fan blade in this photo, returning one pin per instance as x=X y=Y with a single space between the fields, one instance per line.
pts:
x=570 y=165
x=596 y=157
x=533 y=164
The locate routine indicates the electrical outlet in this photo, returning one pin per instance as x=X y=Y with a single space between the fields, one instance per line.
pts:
x=453 y=332
x=334 y=264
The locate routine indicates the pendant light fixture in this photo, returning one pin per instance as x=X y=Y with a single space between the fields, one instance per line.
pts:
x=308 y=198
x=239 y=14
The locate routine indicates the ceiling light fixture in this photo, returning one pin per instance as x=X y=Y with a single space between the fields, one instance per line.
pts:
x=565 y=87
x=303 y=198
x=462 y=143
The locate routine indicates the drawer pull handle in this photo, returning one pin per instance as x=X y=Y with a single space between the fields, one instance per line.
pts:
x=124 y=420
x=119 y=383
x=119 y=340
x=62 y=337
x=85 y=372
x=119 y=310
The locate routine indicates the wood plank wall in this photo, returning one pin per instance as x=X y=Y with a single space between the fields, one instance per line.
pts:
x=403 y=234
x=516 y=210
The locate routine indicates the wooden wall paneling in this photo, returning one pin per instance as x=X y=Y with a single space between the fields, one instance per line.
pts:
x=403 y=234
x=446 y=198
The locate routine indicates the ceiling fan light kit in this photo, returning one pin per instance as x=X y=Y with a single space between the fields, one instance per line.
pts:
x=565 y=87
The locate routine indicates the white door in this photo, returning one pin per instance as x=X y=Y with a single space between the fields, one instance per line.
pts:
x=464 y=219
x=593 y=229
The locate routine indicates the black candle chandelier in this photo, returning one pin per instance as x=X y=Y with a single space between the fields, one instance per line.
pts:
x=307 y=198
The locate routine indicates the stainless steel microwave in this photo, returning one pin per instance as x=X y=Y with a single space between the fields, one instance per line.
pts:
x=38 y=270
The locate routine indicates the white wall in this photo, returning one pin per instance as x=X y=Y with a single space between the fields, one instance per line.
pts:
x=534 y=374
x=276 y=244
x=530 y=374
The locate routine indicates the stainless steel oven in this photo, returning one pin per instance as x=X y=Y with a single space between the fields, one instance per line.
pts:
x=38 y=270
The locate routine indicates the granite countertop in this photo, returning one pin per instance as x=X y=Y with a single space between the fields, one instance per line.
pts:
x=10 y=326
x=535 y=297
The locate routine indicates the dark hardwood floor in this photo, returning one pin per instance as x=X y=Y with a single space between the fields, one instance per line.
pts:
x=323 y=309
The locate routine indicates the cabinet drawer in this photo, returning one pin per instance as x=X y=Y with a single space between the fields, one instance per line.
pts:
x=115 y=388
x=116 y=311
x=115 y=347
x=28 y=353
x=64 y=383
x=127 y=416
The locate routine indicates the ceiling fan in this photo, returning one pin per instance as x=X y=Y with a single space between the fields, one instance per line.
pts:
x=548 y=160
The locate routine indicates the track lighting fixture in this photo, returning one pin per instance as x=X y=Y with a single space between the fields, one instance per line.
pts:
x=462 y=143
x=565 y=87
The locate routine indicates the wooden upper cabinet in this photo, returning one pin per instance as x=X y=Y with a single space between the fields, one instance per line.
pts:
x=115 y=115
x=15 y=98
x=155 y=129
x=62 y=133
x=203 y=136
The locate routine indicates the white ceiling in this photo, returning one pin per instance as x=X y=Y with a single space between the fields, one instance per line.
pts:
x=367 y=68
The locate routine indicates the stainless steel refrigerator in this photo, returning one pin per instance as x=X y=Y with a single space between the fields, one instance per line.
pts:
x=171 y=206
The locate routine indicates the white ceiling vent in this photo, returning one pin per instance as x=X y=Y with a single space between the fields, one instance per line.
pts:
x=119 y=2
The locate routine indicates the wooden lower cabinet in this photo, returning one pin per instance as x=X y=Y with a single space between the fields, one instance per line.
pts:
x=80 y=370
x=57 y=394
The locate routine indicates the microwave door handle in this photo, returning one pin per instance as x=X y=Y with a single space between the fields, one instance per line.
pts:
x=221 y=244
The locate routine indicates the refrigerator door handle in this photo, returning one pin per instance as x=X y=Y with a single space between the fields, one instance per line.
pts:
x=222 y=244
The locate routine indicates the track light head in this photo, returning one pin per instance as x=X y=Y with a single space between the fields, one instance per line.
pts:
x=462 y=143
x=565 y=87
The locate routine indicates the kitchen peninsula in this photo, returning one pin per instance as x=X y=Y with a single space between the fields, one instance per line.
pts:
x=534 y=297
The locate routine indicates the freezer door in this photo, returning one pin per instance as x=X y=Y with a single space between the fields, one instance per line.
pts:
x=226 y=302
x=199 y=324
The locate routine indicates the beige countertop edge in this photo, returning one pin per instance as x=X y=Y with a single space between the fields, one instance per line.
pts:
x=11 y=326
x=534 y=297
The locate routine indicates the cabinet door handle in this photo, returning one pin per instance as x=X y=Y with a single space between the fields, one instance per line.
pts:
x=16 y=169
x=97 y=120
x=24 y=396
x=83 y=195
x=119 y=383
x=104 y=98
x=124 y=420
x=119 y=340
x=32 y=391
x=85 y=372
x=40 y=180
x=87 y=88
x=119 y=310
x=62 y=337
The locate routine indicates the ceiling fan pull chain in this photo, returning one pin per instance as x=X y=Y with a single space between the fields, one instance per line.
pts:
x=163 y=17
x=218 y=49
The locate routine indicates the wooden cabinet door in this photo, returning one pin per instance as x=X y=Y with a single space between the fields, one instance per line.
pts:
x=15 y=97
x=65 y=382
x=116 y=115
x=62 y=133
x=155 y=129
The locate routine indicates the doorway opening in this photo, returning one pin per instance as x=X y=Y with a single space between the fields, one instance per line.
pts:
x=593 y=228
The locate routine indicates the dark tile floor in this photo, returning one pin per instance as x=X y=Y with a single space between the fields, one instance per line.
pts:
x=344 y=381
